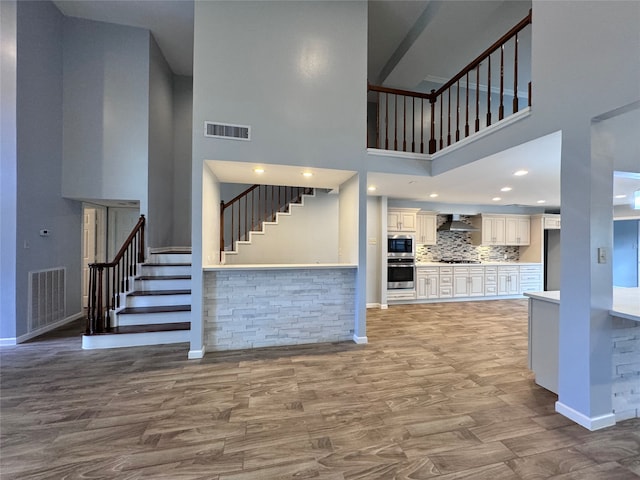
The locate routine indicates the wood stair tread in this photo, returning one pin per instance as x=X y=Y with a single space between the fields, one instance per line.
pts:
x=150 y=293
x=155 y=309
x=164 y=277
x=154 y=327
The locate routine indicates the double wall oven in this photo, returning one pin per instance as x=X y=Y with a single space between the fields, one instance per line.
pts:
x=401 y=262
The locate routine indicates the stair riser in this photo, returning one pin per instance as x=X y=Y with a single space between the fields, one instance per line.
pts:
x=90 y=342
x=169 y=258
x=157 y=300
x=151 y=318
x=166 y=270
x=146 y=285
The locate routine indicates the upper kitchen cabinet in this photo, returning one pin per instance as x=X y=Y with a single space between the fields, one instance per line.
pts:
x=551 y=221
x=502 y=230
x=426 y=233
x=402 y=219
x=492 y=230
x=517 y=230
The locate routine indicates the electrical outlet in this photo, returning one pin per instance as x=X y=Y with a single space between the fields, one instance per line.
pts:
x=602 y=255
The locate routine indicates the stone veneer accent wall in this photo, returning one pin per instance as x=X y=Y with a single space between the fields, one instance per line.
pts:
x=264 y=308
x=625 y=336
x=458 y=245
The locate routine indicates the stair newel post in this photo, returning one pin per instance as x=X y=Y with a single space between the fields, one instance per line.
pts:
x=99 y=303
x=91 y=301
x=109 y=299
x=488 y=90
x=114 y=277
x=515 y=75
x=141 y=246
x=221 y=228
x=432 y=138
x=501 y=108
x=466 y=124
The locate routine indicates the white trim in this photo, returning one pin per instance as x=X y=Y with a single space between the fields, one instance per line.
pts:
x=360 y=340
x=494 y=127
x=195 y=354
x=48 y=328
x=384 y=306
x=6 y=342
x=590 y=423
x=373 y=305
x=398 y=154
x=92 y=342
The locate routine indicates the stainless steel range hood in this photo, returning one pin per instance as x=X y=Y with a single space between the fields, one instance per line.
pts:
x=454 y=224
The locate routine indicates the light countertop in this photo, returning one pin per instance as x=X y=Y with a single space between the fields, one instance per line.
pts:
x=481 y=264
x=626 y=301
x=291 y=266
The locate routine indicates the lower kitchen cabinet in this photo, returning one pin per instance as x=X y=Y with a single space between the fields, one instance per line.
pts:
x=468 y=281
x=508 y=280
x=428 y=280
x=490 y=281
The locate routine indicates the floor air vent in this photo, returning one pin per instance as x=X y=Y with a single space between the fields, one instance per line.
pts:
x=46 y=297
x=226 y=130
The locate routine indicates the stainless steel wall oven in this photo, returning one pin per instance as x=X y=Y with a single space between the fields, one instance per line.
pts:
x=401 y=273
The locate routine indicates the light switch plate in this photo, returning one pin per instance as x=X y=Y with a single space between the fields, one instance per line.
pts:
x=602 y=255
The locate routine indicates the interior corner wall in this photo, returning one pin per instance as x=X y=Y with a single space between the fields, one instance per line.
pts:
x=105 y=111
x=295 y=71
x=161 y=155
x=182 y=128
x=348 y=221
x=374 y=249
x=39 y=174
x=210 y=217
x=8 y=171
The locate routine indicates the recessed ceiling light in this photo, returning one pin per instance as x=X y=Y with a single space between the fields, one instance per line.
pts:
x=258 y=170
x=541 y=201
x=496 y=199
x=372 y=188
x=307 y=174
x=506 y=189
x=620 y=196
x=520 y=173
x=433 y=195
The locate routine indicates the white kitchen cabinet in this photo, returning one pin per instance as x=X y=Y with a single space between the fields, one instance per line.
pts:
x=468 y=281
x=426 y=233
x=530 y=278
x=490 y=281
x=517 y=230
x=551 y=222
x=492 y=230
x=508 y=280
x=401 y=220
x=446 y=282
x=427 y=282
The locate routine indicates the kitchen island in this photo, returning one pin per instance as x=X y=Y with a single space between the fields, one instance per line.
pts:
x=263 y=305
x=544 y=315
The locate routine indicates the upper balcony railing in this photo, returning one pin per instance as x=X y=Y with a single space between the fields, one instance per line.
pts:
x=418 y=122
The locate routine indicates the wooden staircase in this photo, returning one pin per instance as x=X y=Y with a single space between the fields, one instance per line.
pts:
x=157 y=307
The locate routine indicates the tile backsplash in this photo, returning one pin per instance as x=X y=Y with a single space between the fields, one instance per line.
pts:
x=458 y=245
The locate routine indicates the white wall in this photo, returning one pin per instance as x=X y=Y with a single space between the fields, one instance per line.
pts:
x=295 y=71
x=161 y=158
x=106 y=111
x=348 y=221
x=210 y=217
x=8 y=169
x=39 y=160
x=182 y=119
x=308 y=235
x=375 y=239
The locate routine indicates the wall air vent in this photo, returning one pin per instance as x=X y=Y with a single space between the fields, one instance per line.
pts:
x=227 y=130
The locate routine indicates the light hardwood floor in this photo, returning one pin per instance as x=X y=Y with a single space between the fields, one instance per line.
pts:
x=441 y=391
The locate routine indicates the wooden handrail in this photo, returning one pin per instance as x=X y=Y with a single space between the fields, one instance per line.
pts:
x=107 y=280
x=257 y=204
x=450 y=116
x=472 y=65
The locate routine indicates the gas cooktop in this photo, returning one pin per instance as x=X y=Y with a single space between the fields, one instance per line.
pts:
x=453 y=260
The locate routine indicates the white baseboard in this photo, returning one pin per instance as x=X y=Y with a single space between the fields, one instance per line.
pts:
x=195 y=354
x=360 y=340
x=45 y=329
x=384 y=306
x=373 y=305
x=590 y=423
x=6 y=342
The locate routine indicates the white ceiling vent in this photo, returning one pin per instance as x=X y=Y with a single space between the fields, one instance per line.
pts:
x=227 y=130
